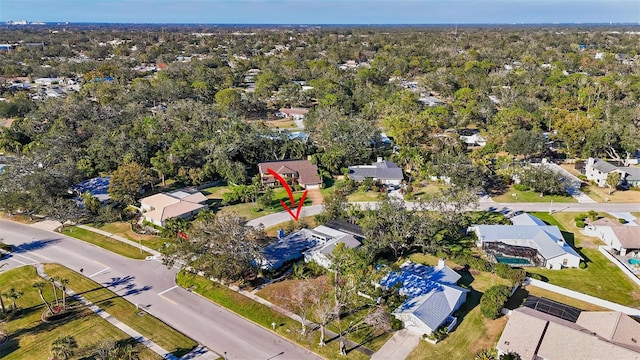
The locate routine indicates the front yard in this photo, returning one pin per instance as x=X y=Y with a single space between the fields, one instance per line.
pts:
x=106 y=243
x=619 y=196
x=249 y=210
x=512 y=195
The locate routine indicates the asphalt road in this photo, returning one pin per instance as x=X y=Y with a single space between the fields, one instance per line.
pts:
x=282 y=217
x=152 y=285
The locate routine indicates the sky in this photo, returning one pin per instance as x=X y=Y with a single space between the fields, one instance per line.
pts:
x=323 y=11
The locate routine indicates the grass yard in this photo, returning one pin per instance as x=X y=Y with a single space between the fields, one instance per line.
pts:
x=281 y=123
x=422 y=190
x=216 y=192
x=249 y=212
x=106 y=243
x=261 y=315
x=121 y=309
x=474 y=331
x=309 y=222
x=30 y=338
x=513 y=195
x=123 y=229
x=602 y=195
x=365 y=196
x=536 y=291
x=601 y=278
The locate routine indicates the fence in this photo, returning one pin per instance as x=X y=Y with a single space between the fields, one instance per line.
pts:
x=583 y=297
x=605 y=250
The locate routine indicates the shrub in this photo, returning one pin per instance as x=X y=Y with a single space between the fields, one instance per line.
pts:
x=396 y=324
x=520 y=187
x=593 y=215
x=493 y=300
x=535 y=276
x=580 y=217
x=583 y=265
x=580 y=224
x=472 y=261
x=507 y=272
x=622 y=220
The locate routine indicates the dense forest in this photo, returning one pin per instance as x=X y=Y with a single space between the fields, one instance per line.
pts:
x=190 y=104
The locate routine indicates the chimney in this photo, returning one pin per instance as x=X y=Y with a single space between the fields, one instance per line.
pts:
x=441 y=264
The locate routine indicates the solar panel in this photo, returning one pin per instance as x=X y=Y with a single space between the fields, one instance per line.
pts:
x=345 y=226
x=554 y=308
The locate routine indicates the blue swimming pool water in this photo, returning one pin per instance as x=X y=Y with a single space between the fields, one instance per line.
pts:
x=513 y=261
x=634 y=261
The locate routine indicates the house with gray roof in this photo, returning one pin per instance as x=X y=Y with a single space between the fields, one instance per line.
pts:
x=528 y=242
x=432 y=296
x=597 y=171
x=382 y=171
x=327 y=239
x=315 y=244
x=532 y=334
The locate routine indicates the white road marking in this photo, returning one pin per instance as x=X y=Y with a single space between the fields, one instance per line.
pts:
x=169 y=289
x=96 y=273
x=16 y=260
x=28 y=258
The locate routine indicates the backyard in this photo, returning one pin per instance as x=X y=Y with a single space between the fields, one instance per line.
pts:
x=31 y=338
x=600 y=278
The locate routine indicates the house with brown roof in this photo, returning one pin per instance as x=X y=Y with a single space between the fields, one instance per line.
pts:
x=595 y=335
x=294 y=113
x=302 y=172
x=622 y=238
x=159 y=208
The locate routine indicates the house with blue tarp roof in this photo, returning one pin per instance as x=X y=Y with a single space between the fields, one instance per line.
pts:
x=98 y=187
x=432 y=296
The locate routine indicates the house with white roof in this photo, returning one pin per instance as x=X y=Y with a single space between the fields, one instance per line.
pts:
x=432 y=296
x=159 y=208
x=624 y=239
x=528 y=242
x=382 y=171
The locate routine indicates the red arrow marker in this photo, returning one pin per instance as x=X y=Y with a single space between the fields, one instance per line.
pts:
x=290 y=193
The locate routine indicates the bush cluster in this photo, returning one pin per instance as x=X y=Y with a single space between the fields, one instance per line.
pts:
x=493 y=300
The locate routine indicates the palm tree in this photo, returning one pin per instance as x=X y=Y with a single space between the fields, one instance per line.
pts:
x=13 y=295
x=4 y=311
x=62 y=347
x=40 y=285
x=53 y=280
x=63 y=283
x=129 y=353
x=485 y=354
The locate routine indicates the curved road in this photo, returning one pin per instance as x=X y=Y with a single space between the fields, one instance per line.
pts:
x=151 y=284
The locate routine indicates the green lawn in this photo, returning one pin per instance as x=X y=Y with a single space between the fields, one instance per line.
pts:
x=261 y=315
x=121 y=309
x=249 y=212
x=122 y=228
x=601 y=278
x=106 y=243
x=474 y=332
x=365 y=196
x=512 y=195
x=30 y=338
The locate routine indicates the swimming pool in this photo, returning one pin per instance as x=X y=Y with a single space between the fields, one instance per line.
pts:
x=634 y=261
x=512 y=261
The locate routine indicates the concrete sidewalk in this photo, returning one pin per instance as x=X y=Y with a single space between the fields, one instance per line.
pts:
x=113 y=321
x=155 y=253
x=398 y=347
